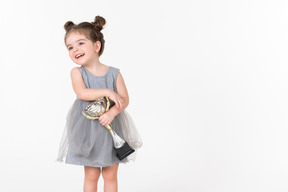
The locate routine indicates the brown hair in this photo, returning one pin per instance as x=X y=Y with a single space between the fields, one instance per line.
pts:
x=92 y=30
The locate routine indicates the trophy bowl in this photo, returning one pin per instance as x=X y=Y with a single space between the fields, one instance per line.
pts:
x=96 y=108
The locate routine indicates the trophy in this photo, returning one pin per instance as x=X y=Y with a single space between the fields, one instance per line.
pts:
x=93 y=111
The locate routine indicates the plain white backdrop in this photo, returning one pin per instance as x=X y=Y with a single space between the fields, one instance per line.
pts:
x=208 y=91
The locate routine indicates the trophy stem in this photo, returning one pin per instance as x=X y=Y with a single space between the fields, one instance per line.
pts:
x=118 y=141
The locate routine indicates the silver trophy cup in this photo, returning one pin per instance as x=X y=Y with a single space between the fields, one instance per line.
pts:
x=93 y=111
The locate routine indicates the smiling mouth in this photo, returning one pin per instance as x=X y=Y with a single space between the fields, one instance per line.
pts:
x=80 y=55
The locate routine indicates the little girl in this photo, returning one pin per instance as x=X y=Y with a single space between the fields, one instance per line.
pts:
x=85 y=141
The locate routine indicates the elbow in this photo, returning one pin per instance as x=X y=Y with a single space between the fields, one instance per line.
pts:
x=126 y=102
x=81 y=94
x=84 y=97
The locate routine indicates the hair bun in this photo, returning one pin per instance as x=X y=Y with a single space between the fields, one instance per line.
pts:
x=68 y=25
x=99 y=23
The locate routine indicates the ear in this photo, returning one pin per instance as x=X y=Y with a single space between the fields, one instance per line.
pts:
x=97 y=46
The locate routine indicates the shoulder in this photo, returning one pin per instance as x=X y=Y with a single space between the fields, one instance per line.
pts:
x=75 y=69
x=115 y=71
x=114 y=68
x=75 y=72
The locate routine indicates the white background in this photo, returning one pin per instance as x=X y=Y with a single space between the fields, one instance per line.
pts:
x=207 y=82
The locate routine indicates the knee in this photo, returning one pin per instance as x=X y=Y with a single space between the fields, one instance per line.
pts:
x=109 y=176
x=92 y=175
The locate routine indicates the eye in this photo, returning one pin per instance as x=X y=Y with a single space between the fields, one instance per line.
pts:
x=70 y=48
x=81 y=43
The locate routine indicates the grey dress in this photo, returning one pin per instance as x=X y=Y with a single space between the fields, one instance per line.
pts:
x=87 y=142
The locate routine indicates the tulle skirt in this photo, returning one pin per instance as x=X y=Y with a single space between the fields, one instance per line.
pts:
x=87 y=142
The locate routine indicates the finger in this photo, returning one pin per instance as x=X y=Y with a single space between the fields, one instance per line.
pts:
x=116 y=103
x=102 y=121
x=122 y=104
x=120 y=100
x=119 y=104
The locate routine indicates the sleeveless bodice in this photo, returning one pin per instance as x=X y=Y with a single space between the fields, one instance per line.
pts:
x=107 y=81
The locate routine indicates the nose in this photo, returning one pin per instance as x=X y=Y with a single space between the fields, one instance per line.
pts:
x=75 y=49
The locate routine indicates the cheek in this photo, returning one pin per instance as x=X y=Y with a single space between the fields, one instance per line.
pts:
x=71 y=55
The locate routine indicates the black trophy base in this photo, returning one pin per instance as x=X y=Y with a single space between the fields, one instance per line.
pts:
x=124 y=151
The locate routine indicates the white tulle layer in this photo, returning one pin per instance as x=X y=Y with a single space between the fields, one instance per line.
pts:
x=87 y=142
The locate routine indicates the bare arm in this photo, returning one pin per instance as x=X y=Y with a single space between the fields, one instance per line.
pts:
x=123 y=93
x=82 y=91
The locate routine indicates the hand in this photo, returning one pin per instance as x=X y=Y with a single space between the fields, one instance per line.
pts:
x=119 y=102
x=106 y=118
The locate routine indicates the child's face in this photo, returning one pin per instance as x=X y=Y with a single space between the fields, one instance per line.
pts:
x=81 y=50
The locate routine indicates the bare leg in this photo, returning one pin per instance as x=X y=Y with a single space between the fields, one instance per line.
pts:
x=92 y=175
x=110 y=178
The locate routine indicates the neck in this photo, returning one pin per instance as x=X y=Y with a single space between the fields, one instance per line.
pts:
x=94 y=64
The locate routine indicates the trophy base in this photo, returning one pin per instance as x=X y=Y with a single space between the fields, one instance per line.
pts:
x=124 y=151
